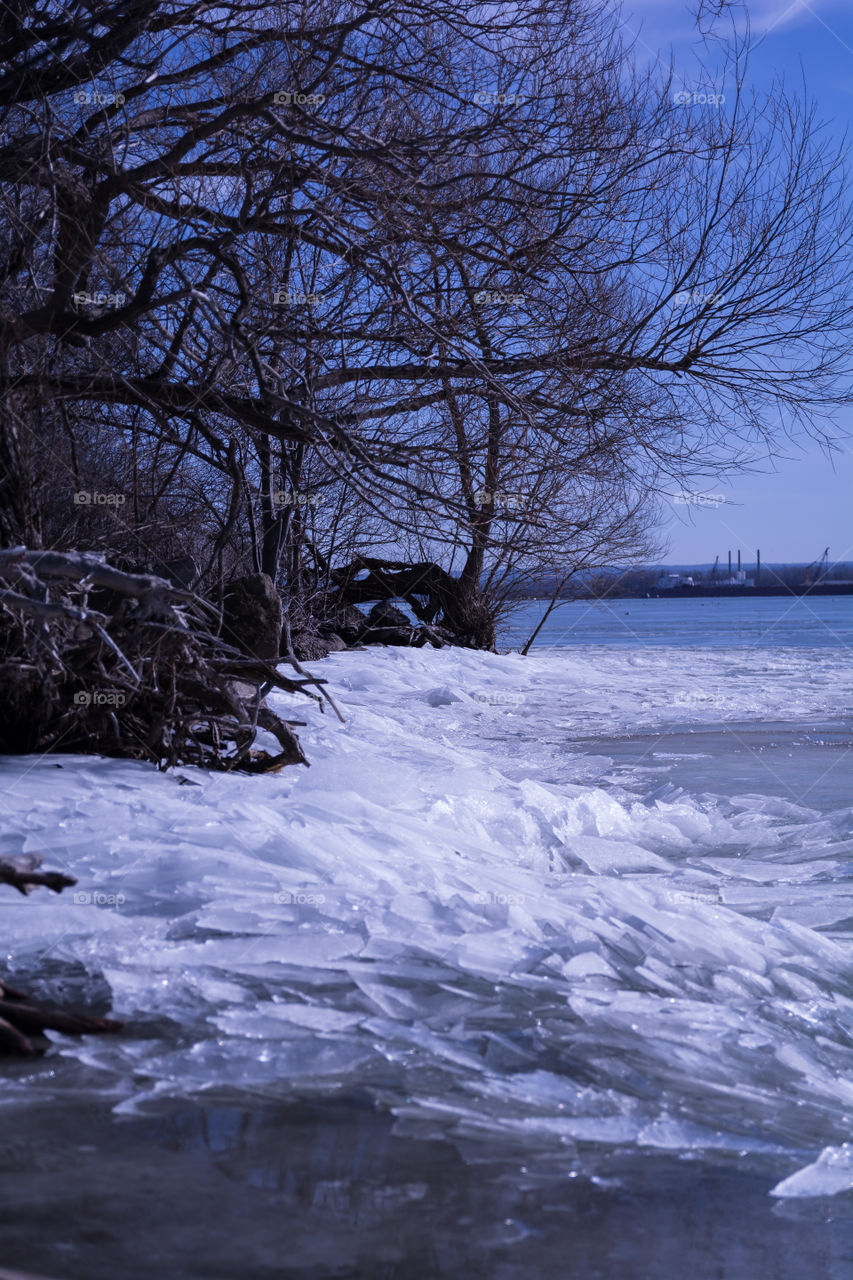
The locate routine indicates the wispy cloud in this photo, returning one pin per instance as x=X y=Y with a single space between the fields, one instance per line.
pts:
x=763 y=14
x=766 y=17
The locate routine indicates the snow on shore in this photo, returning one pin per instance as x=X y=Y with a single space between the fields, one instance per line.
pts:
x=446 y=910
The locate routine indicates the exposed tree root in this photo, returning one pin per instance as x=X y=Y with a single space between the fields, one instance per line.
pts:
x=93 y=659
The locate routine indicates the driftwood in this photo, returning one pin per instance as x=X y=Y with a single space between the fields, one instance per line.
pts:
x=23 y=874
x=426 y=588
x=446 y=611
x=97 y=660
x=23 y=1023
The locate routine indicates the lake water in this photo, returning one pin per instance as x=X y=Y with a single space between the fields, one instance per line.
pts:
x=823 y=622
x=543 y=968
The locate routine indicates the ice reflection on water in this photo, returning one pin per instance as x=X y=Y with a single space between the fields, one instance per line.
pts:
x=328 y=1190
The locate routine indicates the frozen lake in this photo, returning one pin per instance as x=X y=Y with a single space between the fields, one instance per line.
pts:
x=545 y=966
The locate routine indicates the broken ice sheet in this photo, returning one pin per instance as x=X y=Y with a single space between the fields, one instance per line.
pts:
x=502 y=939
x=829 y=1175
x=279 y=1019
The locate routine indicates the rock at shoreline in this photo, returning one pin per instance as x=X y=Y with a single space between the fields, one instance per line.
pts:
x=252 y=616
x=386 y=614
x=347 y=622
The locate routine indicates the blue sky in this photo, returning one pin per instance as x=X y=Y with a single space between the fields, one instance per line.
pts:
x=804 y=500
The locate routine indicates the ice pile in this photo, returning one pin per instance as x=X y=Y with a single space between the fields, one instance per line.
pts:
x=831 y=1173
x=448 y=913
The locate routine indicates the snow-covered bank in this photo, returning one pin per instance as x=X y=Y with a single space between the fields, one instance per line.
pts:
x=449 y=908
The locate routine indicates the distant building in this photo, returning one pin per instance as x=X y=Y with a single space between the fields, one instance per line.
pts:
x=667 y=581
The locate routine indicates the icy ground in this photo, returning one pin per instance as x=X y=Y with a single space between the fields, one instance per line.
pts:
x=459 y=909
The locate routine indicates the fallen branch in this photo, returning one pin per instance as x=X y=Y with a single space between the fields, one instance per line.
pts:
x=23 y=1023
x=22 y=874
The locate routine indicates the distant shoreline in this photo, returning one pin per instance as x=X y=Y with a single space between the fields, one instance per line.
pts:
x=817 y=589
x=701 y=592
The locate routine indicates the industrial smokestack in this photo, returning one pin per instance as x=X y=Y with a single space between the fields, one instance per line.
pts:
x=757 y=567
x=738 y=562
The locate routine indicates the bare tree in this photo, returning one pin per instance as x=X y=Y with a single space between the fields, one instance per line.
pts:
x=177 y=184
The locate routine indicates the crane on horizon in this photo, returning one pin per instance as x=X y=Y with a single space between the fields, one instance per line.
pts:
x=822 y=568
